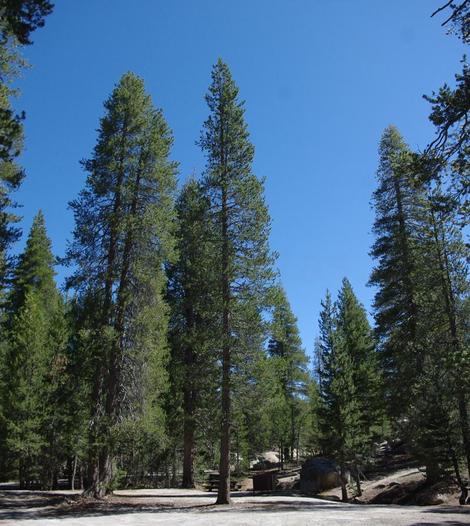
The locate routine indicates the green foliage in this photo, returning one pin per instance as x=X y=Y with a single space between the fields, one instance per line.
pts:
x=243 y=261
x=193 y=295
x=18 y=19
x=289 y=364
x=396 y=206
x=124 y=233
x=22 y=17
x=34 y=364
x=348 y=380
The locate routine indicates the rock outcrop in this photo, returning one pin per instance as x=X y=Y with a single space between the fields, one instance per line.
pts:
x=318 y=474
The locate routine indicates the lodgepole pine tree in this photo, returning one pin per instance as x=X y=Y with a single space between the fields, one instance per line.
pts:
x=395 y=304
x=356 y=340
x=336 y=390
x=241 y=219
x=34 y=345
x=446 y=286
x=348 y=383
x=123 y=235
x=193 y=295
x=290 y=368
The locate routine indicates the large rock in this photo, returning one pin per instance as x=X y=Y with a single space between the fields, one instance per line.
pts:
x=266 y=460
x=318 y=474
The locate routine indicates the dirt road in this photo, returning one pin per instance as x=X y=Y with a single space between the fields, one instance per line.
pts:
x=195 y=508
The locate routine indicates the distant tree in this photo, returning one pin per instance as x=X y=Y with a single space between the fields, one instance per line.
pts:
x=349 y=383
x=356 y=339
x=336 y=408
x=35 y=269
x=124 y=223
x=37 y=337
x=243 y=264
x=289 y=363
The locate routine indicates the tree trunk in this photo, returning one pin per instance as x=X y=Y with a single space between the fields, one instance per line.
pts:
x=188 y=454
x=74 y=472
x=102 y=474
x=174 y=470
x=344 y=489
x=358 y=482
x=463 y=413
x=223 y=496
x=189 y=403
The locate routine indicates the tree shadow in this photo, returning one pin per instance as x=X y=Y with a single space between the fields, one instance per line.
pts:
x=21 y=505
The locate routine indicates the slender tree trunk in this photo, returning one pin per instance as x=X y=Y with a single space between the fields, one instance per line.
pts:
x=223 y=496
x=174 y=470
x=455 y=464
x=344 y=489
x=358 y=482
x=292 y=432
x=74 y=472
x=189 y=403
x=188 y=448
x=463 y=416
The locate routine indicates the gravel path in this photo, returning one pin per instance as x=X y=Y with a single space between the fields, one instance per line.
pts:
x=195 y=508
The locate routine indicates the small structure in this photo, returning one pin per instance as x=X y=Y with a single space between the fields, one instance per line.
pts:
x=265 y=480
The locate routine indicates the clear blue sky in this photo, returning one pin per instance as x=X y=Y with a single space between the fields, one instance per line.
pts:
x=321 y=79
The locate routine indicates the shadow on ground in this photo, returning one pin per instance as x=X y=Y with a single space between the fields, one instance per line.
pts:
x=21 y=505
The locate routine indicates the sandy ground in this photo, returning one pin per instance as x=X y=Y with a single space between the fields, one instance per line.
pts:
x=195 y=508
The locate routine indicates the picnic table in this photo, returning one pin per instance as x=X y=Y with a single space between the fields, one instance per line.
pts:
x=213 y=479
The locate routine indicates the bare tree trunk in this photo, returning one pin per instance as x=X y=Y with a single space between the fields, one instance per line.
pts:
x=358 y=481
x=344 y=489
x=188 y=454
x=223 y=496
x=74 y=472
x=189 y=403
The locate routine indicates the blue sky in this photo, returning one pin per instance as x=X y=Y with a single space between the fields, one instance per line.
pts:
x=321 y=80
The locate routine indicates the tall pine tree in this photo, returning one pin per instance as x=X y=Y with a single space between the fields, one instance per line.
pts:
x=193 y=295
x=243 y=263
x=123 y=235
x=395 y=303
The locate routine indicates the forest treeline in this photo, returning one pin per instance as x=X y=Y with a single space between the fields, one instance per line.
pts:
x=172 y=347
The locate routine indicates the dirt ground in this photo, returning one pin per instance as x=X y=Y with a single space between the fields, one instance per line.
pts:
x=196 y=508
x=399 y=487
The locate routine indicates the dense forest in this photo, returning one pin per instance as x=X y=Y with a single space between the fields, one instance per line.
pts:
x=172 y=347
